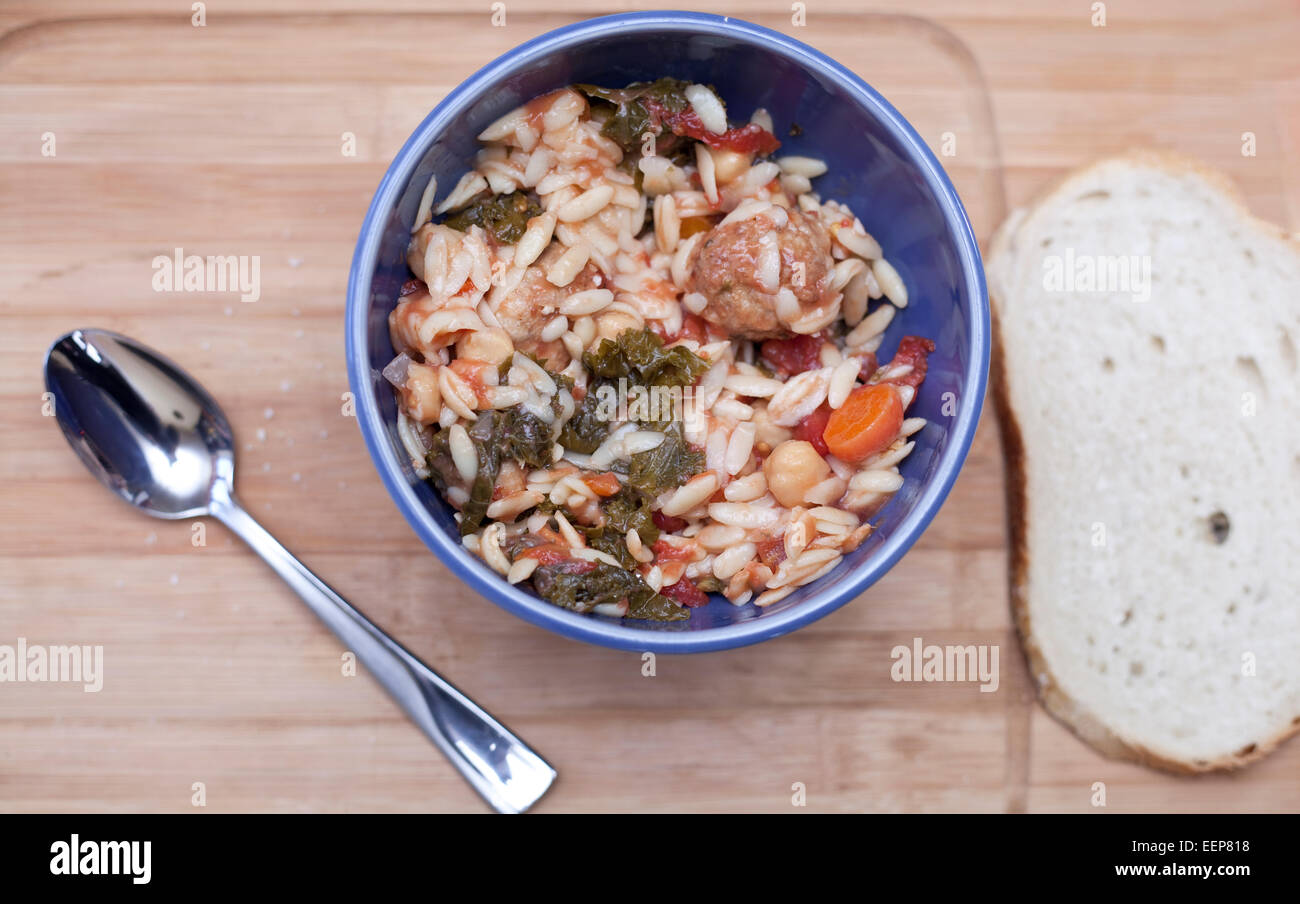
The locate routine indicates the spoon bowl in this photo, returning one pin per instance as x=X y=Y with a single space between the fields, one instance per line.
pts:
x=139 y=423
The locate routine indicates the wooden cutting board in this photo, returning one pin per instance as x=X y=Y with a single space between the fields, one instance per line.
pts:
x=233 y=138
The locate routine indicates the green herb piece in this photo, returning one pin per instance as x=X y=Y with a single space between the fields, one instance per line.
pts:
x=605 y=583
x=668 y=465
x=524 y=437
x=442 y=468
x=514 y=433
x=562 y=382
x=639 y=356
x=630 y=117
x=483 y=433
x=627 y=126
x=587 y=428
x=505 y=216
x=609 y=541
x=630 y=509
x=656 y=608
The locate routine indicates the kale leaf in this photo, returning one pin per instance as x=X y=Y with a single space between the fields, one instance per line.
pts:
x=505 y=216
x=442 y=468
x=612 y=543
x=656 y=608
x=630 y=117
x=514 y=433
x=710 y=584
x=628 y=509
x=525 y=437
x=605 y=583
x=586 y=429
x=483 y=434
x=631 y=509
x=639 y=357
x=668 y=465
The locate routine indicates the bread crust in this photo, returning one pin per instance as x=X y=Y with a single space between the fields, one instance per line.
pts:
x=1087 y=725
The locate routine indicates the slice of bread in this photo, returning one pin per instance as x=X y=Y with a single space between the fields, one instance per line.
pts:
x=1152 y=434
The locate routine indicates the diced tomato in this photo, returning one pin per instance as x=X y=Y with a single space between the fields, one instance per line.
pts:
x=794 y=355
x=810 y=429
x=545 y=553
x=686 y=593
x=912 y=350
x=747 y=139
x=669 y=553
x=602 y=484
x=693 y=327
x=771 y=552
x=869 y=366
x=668 y=522
x=551 y=535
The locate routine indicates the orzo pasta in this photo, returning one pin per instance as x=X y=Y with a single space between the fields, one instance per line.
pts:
x=638 y=356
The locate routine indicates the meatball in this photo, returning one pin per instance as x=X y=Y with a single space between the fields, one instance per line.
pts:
x=726 y=267
x=532 y=303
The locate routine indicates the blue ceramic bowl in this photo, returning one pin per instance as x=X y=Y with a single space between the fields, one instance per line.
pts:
x=879 y=166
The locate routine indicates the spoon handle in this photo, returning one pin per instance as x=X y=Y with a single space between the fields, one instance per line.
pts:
x=501 y=767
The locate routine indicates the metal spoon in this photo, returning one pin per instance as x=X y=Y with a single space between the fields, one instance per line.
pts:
x=154 y=437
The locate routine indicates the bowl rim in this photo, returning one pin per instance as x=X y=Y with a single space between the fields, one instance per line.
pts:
x=477 y=574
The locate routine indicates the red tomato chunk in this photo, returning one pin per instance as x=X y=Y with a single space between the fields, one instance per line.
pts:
x=811 y=428
x=912 y=350
x=747 y=139
x=686 y=593
x=794 y=355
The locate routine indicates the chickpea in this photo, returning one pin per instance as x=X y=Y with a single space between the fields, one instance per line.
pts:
x=729 y=165
x=420 y=394
x=794 y=468
x=489 y=344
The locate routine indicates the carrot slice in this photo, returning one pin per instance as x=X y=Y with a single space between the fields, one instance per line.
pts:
x=866 y=423
x=605 y=484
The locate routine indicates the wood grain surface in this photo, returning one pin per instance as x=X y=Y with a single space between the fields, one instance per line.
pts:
x=229 y=139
